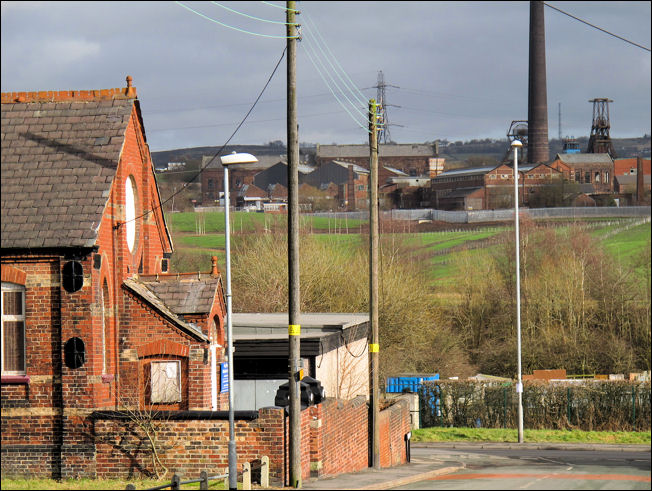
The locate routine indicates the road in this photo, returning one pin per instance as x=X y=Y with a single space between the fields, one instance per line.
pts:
x=528 y=468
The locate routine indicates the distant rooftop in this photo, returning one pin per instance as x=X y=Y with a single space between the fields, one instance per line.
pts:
x=384 y=150
x=467 y=171
x=584 y=158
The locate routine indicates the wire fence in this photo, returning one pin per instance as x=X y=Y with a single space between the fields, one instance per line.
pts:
x=478 y=216
x=588 y=405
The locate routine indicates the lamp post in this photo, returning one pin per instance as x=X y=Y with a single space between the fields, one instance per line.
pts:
x=234 y=158
x=516 y=145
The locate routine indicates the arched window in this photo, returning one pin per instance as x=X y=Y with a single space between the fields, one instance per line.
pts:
x=218 y=331
x=106 y=325
x=130 y=212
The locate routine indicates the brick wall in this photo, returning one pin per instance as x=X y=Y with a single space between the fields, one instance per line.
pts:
x=334 y=440
x=394 y=425
x=341 y=435
x=189 y=446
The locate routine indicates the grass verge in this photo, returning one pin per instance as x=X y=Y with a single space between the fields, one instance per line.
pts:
x=98 y=484
x=530 y=436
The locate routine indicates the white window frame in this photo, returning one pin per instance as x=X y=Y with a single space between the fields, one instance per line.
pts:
x=13 y=287
x=158 y=400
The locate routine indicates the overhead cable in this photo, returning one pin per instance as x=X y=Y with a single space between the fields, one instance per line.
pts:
x=187 y=109
x=279 y=6
x=331 y=90
x=309 y=45
x=313 y=27
x=230 y=124
x=596 y=27
x=221 y=148
x=255 y=18
x=231 y=27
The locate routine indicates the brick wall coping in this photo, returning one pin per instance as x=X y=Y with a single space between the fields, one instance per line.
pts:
x=68 y=95
x=177 y=415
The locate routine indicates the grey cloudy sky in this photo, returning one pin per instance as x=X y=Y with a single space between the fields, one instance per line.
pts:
x=461 y=67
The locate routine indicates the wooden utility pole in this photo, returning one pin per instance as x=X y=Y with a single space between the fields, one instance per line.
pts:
x=373 y=279
x=294 y=327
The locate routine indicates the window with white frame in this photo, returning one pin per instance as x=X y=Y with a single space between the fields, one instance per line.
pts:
x=165 y=377
x=13 y=329
x=130 y=212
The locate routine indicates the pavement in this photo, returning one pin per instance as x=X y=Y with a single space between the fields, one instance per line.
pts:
x=419 y=470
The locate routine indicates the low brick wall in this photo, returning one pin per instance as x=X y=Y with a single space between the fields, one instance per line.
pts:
x=394 y=424
x=334 y=440
x=339 y=431
x=189 y=446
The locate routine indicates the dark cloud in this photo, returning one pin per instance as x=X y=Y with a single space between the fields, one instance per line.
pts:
x=461 y=67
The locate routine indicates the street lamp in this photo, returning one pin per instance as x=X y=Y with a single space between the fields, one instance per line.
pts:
x=234 y=158
x=516 y=145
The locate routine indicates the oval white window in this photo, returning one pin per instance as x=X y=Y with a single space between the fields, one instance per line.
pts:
x=130 y=212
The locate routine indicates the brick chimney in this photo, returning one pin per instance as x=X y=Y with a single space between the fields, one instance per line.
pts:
x=537 y=116
x=215 y=271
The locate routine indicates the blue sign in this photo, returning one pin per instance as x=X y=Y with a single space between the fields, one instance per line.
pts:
x=224 y=376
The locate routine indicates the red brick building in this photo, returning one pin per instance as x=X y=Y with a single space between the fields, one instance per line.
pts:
x=481 y=188
x=415 y=159
x=91 y=317
x=94 y=324
x=596 y=169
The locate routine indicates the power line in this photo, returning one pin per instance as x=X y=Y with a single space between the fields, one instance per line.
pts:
x=228 y=26
x=233 y=105
x=596 y=27
x=221 y=148
x=314 y=28
x=279 y=6
x=251 y=16
x=155 y=130
x=309 y=45
x=337 y=98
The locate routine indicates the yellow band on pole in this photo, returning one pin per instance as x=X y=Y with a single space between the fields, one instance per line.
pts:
x=373 y=348
x=294 y=329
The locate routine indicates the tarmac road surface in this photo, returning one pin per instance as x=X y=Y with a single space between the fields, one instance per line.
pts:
x=496 y=467
x=506 y=466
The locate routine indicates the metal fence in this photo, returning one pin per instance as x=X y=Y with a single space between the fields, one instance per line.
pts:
x=477 y=216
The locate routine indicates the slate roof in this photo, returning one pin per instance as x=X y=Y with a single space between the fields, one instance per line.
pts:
x=58 y=163
x=142 y=291
x=384 y=150
x=184 y=295
x=584 y=158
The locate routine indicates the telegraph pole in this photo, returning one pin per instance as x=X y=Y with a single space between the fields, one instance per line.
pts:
x=373 y=279
x=294 y=327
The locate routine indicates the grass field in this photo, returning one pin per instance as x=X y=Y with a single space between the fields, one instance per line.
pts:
x=437 y=249
x=533 y=436
x=627 y=245
x=249 y=222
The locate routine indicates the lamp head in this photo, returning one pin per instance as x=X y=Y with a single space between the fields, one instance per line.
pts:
x=238 y=158
x=517 y=144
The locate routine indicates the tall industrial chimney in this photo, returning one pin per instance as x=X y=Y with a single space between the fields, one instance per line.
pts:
x=537 y=112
